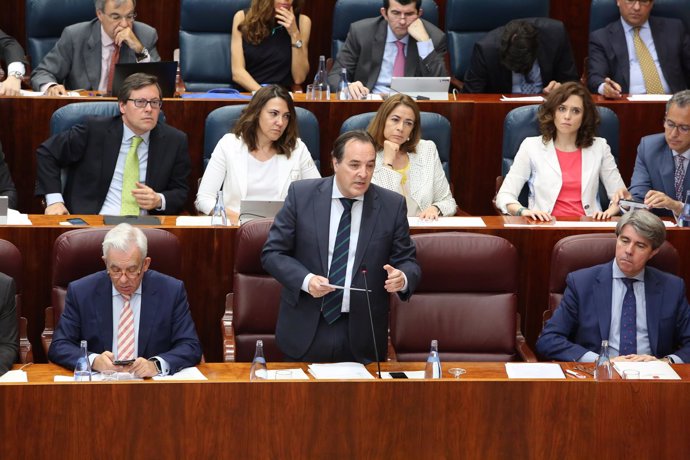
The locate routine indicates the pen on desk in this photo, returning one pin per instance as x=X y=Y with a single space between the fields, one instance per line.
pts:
x=575 y=374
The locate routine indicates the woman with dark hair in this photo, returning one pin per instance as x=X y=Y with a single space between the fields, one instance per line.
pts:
x=269 y=44
x=260 y=158
x=564 y=165
x=407 y=164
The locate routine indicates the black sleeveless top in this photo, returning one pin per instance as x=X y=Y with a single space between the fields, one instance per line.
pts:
x=270 y=62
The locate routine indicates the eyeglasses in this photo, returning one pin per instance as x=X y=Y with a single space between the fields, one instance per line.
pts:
x=117 y=18
x=641 y=2
x=141 y=103
x=131 y=272
x=683 y=129
x=395 y=14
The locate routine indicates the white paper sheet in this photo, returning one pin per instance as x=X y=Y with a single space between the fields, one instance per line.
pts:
x=96 y=377
x=505 y=98
x=453 y=222
x=295 y=374
x=410 y=375
x=650 y=370
x=16 y=218
x=649 y=97
x=340 y=371
x=534 y=371
x=18 y=376
x=578 y=224
x=193 y=221
x=188 y=373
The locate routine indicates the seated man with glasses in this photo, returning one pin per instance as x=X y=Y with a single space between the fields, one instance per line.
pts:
x=639 y=54
x=398 y=44
x=127 y=313
x=85 y=55
x=125 y=165
x=660 y=176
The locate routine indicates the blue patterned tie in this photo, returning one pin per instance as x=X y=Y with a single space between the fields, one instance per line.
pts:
x=333 y=301
x=628 y=341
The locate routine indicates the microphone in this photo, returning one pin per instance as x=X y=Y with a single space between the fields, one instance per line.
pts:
x=371 y=319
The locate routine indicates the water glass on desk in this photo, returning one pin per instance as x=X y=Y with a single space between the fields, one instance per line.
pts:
x=318 y=92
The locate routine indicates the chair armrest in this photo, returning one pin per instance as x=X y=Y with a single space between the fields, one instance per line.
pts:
x=26 y=354
x=47 y=334
x=227 y=330
x=526 y=354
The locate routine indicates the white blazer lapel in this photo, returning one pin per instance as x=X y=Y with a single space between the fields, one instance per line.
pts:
x=551 y=159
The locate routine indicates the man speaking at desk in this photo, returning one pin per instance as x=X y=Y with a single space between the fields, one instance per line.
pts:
x=641 y=311
x=125 y=165
x=127 y=312
x=85 y=55
x=337 y=231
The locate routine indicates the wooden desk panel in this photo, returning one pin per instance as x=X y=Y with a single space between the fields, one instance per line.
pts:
x=488 y=417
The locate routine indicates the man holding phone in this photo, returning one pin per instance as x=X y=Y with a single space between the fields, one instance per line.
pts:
x=134 y=319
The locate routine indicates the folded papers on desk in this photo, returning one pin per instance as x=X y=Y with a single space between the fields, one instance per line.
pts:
x=18 y=376
x=649 y=370
x=188 y=373
x=295 y=374
x=534 y=371
x=340 y=371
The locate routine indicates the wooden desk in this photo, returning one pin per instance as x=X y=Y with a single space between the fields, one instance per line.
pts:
x=476 y=120
x=483 y=415
x=208 y=263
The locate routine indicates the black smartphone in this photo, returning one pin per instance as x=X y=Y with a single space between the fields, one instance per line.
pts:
x=77 y=221
x=398 y=375
x=123 y=362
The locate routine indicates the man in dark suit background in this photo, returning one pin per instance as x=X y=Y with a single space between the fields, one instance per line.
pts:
x=329 y=232
x=9 y=342
x=12 y=53
x=96 y=156
x=127 y=311
x=660 y=176
x=641 y=311
x=616 y=63
x=84 y=54
x=527 y=56
x=370 y=50
x=7 y=187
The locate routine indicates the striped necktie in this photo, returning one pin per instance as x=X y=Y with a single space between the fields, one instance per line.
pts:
x=125 y=332
x=129 y=205
x=333 y=301
x=652 y=82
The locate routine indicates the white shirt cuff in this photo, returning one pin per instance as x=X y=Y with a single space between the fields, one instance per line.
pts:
x=16 y=67
x=425 y=48
x=305 y=283
x=52 y=198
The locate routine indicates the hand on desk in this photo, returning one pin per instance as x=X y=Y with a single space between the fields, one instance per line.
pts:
x=656 y=199
x=56 y=90
x=537 y=215
x=358 y=90
x=634 y=358
x=104 y=362
x=56 y=209
x=430 y=213
x=142 y=367
x=612 y=90
x=11 y=86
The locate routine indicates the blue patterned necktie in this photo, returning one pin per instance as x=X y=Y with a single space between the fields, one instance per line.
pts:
x=333 y=301
x=628 y=341
x=679 y=177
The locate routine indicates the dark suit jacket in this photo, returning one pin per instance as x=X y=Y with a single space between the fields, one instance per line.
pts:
x=486 y=74
x=166 y=328
x=298 y=245
x=89 y=151
x=583 y=319
x=7 y=187
x=9 y=341
x=608 y=54
x=10 y=49
x=362 y=54
x=655 y=170
x=75 y=60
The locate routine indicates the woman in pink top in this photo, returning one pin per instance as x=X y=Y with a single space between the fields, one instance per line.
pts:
x=563 y=166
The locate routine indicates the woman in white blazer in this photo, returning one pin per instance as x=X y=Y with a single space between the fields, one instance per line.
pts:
x=407 y=164
x=260 y=158
x=564 y=165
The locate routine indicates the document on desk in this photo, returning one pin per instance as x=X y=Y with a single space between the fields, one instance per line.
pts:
x=97 y=377
x=409 y=374
x=649 y=97
x=188 y=373
x=534 y=371
x=340 y=371
x=193 y=221
x=649 y=370
x=18 y=376
x=505 y=98
x=451 y=222
x=15 y=218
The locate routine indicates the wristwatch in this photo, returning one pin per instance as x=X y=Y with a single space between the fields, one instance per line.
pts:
x=297 y=44
x=157 y=362
x=15 y=74
x=142 y=55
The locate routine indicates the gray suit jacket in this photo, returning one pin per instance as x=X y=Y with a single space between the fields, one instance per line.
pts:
x=75 y=60
x=362 y=54
x=297 y=245
x=10 y=50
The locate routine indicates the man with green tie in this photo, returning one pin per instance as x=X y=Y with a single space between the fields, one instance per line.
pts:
x=130 y=164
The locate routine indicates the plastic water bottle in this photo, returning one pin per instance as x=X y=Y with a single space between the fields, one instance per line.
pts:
x=684 y=217
x=603 y=369
x=343 y=86
x=82 y=371
x=433 y=363
x=321 y=88
x=258 y=370
x=219 y=217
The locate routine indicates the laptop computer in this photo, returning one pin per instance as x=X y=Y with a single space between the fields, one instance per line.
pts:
x=431 y=88
x=166 y=71
x=257 y=209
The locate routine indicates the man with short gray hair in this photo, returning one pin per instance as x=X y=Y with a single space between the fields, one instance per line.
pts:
x=134 y=319
x=660 y=176
x=85 y=55
x=641 y=311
